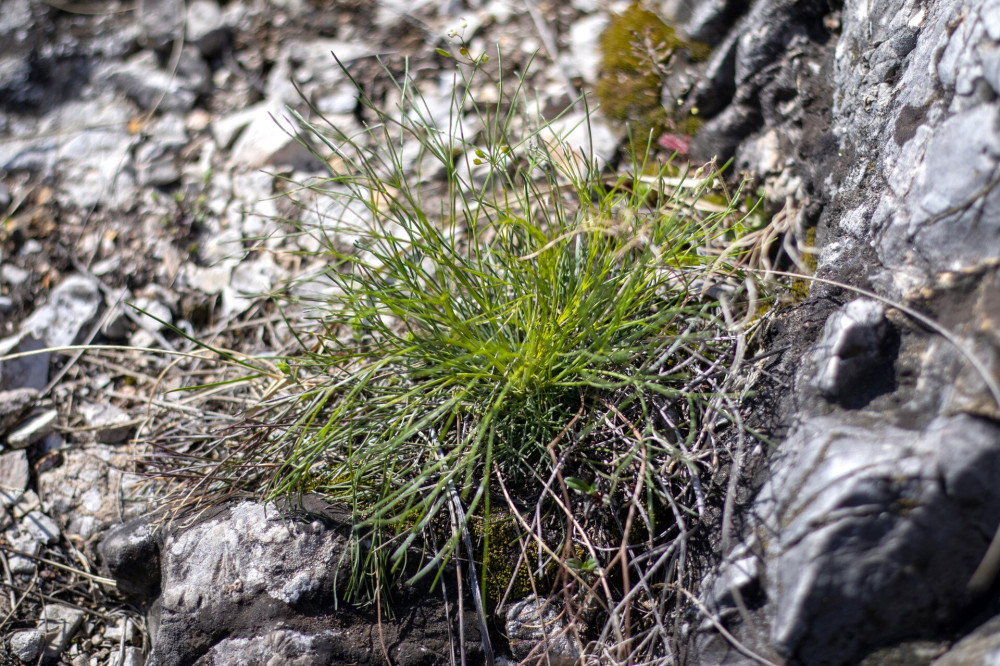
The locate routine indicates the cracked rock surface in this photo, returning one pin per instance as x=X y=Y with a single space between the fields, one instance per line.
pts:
x=254 y=584
x=879 y=503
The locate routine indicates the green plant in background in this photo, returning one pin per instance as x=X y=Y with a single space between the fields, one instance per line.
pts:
x=520 y=342
x=638 y=49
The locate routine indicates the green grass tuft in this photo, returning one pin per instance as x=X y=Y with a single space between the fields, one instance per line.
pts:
x=498 y=321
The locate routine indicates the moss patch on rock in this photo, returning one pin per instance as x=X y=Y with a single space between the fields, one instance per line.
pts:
x=638 y=50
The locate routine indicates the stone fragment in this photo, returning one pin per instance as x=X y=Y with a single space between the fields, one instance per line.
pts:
x=255 y=278
x=152 y=314
x=92 y=154
x=584 y=44
x=739 y=573
x=107 y=423
x=250 y=280
x=21 y=542
x=142 y=81
x=226 y=128
x=156 y=167
x=59 y=624
x=133 y=656
x=205 y=27
x=33 y=430
x=13 y=275
x=72 y=305
x=41 y=528
x=271 y=139
x=125 y=631
x=211 y=280
x=314 y=59
x=339 y=103
x=14 y=405
x=14 y=477
x=162 y=21
x=255 y=555
x=15 y=81
x=980 y=648
x=27 y=645
x=157 y=160
x=851 y=345
x=29 y=502
x=130 y=553
x=536 y=628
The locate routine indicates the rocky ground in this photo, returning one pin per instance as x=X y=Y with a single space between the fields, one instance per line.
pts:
x=141 y=149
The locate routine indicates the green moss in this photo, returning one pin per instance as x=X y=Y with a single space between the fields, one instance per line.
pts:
x=503 y=552
x=637 y=49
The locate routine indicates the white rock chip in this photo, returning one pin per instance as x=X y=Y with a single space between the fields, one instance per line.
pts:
x=71 y=306
x=27 y=645
x=584 y=44
x=14 y=405
x=12 y=275
x=42 y=528
x=13 y=477
x=36 y=428
x=24 y=543
x=205 y=27
x=272 y=139
x=59 y=623
x=110 y=424
x=133 y=657
x=152 y=314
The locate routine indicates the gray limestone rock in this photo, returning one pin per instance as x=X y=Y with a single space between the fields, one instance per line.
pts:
x=131 y=656
x=71 y=306
x=855 y=517
x=107 y=423
x=33 y=429
x=250 y=581
x=87 y=142
x=853 y=343
x=24 y=543
x=14 y=405
x=142 y=80
x=537 y=631
x=874 y=512
x=85 y=490
x=285 y=646
x=30 y=372
x=42 y=529
x=14 y=477
x=247 y=556
x=27 y=645
x=272 y=139
x=205 y=28
x=981 y=647
x=130 y=553
x=59 y=624
x=161 y=21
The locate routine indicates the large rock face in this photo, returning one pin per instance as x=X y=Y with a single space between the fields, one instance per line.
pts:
x=879 y=505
